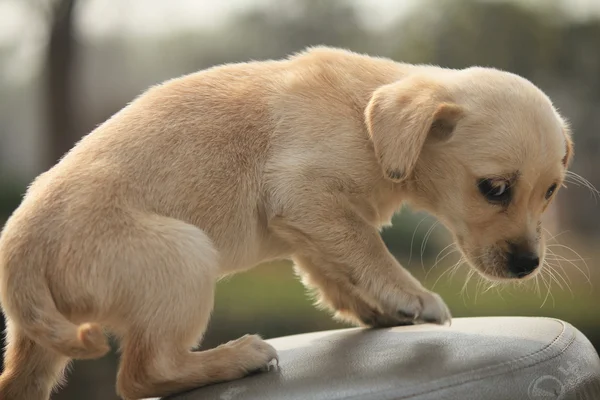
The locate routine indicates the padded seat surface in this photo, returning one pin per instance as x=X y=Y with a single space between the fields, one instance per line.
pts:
x=496 y=358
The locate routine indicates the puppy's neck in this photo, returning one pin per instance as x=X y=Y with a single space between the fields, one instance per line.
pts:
x=415 y=192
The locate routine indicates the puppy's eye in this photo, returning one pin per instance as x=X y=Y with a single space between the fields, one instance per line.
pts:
x=551 y=191
x=495 y=191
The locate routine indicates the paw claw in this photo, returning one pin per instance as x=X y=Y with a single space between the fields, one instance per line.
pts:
x=423 y=307
x=273 y=364
x=254 y=353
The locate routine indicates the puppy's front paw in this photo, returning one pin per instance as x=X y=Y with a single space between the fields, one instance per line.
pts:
x=433 y=309
x=422 y=306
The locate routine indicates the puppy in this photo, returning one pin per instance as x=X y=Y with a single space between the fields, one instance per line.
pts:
x=304 y=158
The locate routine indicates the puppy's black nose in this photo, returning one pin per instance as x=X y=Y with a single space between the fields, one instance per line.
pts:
x=522 y=263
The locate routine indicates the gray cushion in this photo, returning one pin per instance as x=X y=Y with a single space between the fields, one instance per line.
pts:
x=476 y=358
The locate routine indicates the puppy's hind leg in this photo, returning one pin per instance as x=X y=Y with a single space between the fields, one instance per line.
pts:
x=171 y=310
x=155 y=367
x=30 y=371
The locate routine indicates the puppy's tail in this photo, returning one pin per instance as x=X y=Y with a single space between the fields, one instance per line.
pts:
x=31 y=307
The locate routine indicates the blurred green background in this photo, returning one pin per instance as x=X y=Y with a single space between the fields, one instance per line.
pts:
x=67 y=65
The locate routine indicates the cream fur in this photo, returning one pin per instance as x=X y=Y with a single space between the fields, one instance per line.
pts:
x=215 y=172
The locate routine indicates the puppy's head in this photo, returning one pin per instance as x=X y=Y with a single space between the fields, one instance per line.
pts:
x=483 y=150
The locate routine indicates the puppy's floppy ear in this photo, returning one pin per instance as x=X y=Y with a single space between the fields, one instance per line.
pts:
x=401 y=116
x=569 y=146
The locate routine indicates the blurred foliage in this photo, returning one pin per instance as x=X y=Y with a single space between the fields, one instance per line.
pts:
x=543 y=44
x=11 y=194
x=280 y=305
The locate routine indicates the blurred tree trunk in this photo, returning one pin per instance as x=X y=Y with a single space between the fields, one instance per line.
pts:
x=89 y=380
x=60 y=58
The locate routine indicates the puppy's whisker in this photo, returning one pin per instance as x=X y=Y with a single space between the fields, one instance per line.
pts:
x=425 y=240
x=558 y=274
x=553 y=237
x=579 y=180
x=528 y=285
x=412 y=240
x=562 y=269
x=586 y=274
x=448 y=271
x=438 y=260
x=483 y=286
x=491 y=285
x=452 y=248
x=499 y=291
x=548 y=289
x=561 y=258
x=587 y=278
x=559 y=265
x=464 y=290
x=457 y=266
x=550 y=271
x=477 y=285
x=438 y=278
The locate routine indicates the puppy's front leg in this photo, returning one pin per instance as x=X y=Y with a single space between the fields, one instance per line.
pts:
x=342 y=297
x=345 y=256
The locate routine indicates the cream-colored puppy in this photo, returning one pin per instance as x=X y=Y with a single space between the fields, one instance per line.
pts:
x=304 y=158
